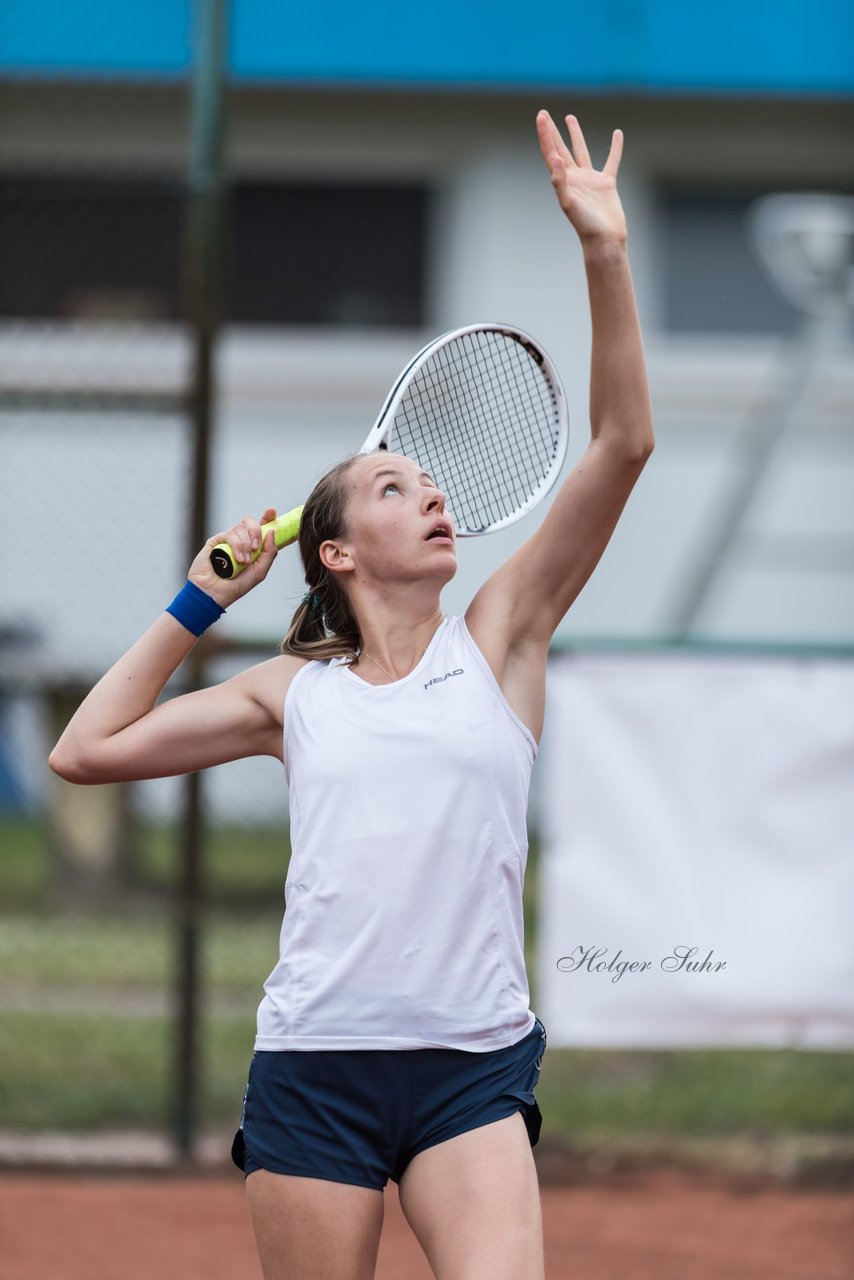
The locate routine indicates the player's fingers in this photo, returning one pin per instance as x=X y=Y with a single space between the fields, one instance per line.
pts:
x=551 y=143
x=244 y=538
x=579 y=146
x=237 y=538
x=269 y=550
x=261 y=562
x=612 y=164
x=557 y=169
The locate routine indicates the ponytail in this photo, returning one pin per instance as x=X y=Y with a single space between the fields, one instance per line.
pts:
x=323 y=625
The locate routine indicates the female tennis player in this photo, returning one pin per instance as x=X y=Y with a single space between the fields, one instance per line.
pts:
x=408 y=740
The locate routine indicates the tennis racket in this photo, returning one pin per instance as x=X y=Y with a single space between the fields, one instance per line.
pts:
x=482 y=410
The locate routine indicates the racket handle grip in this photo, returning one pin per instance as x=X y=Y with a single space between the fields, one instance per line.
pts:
x=285 y=530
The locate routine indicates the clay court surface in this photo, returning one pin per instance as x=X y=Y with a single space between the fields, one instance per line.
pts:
x=656 y=1226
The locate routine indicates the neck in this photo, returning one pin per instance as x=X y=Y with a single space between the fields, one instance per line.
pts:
x=396 y=642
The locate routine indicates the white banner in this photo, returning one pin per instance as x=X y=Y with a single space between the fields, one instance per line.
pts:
x=697 y=873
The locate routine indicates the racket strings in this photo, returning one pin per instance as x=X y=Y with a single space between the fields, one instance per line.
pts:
x=452 y=416
x=527 y=464
x=505 y=419
x=480 y=411
x=482 y=417
x=489 y=406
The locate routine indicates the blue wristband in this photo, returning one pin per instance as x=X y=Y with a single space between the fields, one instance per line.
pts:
x=195 y=609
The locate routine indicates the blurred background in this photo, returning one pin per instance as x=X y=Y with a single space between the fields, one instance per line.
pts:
x=223 y=230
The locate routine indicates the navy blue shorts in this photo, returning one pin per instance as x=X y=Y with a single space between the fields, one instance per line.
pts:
x=360 y=1115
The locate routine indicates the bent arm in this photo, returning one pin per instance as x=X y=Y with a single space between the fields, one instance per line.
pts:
x=119 y=734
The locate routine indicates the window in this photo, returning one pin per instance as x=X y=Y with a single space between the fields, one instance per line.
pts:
x=713 y=281
x=90 y=248
x=336 y=255
x=295 y=253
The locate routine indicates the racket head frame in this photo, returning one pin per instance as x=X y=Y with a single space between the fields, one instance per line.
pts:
x=381 y=435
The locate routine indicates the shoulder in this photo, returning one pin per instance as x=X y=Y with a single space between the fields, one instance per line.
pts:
x=267 y=684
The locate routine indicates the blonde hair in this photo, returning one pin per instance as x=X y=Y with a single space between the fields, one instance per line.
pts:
x=323 y=625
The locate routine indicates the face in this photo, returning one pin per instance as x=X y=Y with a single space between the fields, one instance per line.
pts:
x=397 y=524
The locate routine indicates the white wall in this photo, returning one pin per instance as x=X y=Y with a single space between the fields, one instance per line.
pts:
x=293 y=401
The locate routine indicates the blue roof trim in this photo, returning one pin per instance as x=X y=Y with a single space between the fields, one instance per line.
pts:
x=86 y=38
x=638 y=46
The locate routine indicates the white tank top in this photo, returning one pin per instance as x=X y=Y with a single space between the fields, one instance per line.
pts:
x=403 y=899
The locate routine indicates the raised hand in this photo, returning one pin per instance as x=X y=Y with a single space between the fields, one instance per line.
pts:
x=587 y=196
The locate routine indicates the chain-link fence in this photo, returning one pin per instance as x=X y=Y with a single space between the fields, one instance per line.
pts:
x=130 y=969
x=99 y=410
x=140 y=920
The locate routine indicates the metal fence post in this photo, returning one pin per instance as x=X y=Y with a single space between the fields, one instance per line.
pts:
x=204 y=272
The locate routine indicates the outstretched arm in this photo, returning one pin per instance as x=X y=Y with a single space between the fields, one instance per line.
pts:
x=521 y=605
